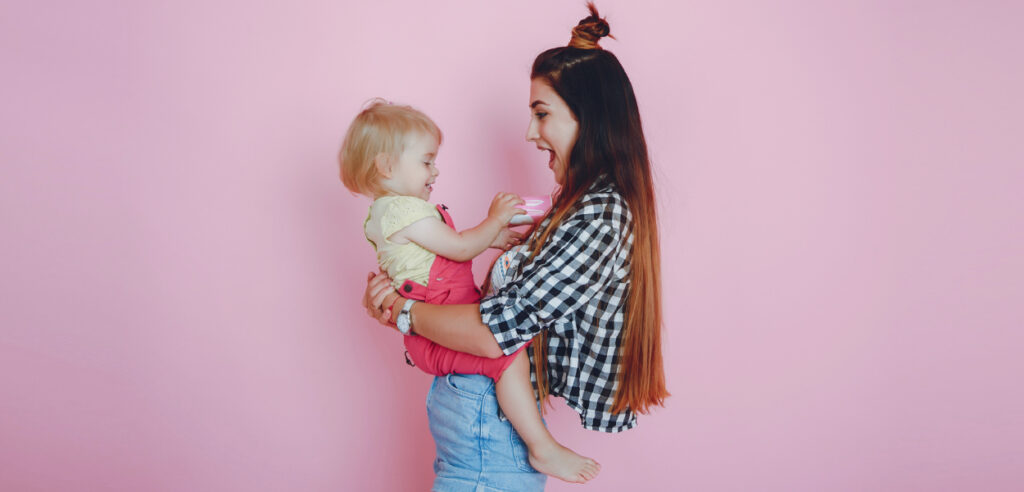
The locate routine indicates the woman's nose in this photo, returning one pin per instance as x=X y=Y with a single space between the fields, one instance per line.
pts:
x=531 y=131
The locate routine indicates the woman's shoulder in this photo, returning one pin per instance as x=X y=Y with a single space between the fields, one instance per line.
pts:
x=602 y=202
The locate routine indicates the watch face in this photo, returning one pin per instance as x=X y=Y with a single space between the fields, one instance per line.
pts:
x=403 y=323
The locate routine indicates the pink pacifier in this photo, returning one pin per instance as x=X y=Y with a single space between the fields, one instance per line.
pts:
x=535 y=207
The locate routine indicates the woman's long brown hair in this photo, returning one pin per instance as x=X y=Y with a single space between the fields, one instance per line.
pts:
x=610 y=143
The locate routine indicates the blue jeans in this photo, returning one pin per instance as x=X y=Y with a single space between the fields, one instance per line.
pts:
x=476 y=451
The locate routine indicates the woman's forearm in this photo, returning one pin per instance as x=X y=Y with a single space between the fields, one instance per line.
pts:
x=456 y=326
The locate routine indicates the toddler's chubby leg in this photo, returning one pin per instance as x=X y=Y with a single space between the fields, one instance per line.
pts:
x=515 y=395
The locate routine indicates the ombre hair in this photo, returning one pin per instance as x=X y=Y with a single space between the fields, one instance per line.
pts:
x=379 y=131
x=610 y=145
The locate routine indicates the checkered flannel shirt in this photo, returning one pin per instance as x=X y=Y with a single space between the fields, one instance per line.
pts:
x=575 y=288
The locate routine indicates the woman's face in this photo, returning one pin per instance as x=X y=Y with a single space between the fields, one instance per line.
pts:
x=553 y=127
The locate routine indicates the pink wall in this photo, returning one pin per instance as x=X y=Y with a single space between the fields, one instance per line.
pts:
x=840 y=187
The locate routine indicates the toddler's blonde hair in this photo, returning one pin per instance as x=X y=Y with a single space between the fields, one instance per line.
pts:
x=378 y=131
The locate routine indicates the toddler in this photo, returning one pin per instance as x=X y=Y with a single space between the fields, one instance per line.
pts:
x=389 y=154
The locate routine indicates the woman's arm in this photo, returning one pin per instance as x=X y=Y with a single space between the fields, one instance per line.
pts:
x=455 y=326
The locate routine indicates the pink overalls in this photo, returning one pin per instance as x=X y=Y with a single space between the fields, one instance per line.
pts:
x=450 y=282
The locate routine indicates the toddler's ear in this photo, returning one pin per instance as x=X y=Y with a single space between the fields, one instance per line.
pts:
x=383 y=164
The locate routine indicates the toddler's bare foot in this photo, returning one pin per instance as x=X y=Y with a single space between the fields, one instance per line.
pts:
x=562 y=463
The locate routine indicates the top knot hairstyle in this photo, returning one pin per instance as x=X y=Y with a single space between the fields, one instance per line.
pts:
x=610 y=145
x=590 y=30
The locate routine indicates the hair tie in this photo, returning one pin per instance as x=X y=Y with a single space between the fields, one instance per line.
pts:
x=590 y=30
x=583 y=39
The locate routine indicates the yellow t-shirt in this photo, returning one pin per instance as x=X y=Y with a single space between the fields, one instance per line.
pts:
x=388 y=215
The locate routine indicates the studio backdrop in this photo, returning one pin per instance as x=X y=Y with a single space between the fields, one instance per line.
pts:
x=181 y=269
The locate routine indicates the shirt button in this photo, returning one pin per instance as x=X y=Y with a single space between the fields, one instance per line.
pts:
x=408 y=288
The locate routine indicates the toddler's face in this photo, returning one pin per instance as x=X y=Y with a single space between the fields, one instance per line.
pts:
x=414 y=172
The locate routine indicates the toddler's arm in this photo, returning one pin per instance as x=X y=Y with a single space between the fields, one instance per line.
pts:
x=436 y=237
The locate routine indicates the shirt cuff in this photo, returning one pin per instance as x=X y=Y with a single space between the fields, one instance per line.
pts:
x=508 y=321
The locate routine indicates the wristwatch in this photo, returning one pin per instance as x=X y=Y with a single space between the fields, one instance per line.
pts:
x=404 y=320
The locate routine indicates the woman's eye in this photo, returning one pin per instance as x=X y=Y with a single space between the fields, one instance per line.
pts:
x=540 y=115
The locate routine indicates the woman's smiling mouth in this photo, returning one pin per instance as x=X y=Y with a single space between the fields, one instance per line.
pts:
x=551 y=157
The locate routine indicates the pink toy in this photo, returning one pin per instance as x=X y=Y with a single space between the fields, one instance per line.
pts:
x=535 y=206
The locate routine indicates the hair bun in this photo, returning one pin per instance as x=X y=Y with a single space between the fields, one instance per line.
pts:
x=590 y=30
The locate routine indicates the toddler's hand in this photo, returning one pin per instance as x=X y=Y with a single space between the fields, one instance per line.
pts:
x=503 y=207
x=506 y=239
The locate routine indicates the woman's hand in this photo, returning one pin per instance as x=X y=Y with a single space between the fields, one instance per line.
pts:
x=380 y=297
x=506 y=239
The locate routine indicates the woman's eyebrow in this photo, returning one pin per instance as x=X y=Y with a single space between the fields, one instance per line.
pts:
x=537 y=102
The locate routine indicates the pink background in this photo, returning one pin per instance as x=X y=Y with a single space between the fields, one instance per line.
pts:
x=840 y=187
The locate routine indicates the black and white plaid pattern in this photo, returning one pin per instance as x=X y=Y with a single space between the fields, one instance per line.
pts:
x=575 y=289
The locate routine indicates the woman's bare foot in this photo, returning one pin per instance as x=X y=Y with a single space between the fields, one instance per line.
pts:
x=562 y=463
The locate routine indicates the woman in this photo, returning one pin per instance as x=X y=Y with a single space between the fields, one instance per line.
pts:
x=586 y=290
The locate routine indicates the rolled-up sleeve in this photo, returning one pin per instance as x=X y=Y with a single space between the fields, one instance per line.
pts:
x=574 y=264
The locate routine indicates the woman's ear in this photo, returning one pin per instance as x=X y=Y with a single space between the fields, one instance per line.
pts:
x=383 y=165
